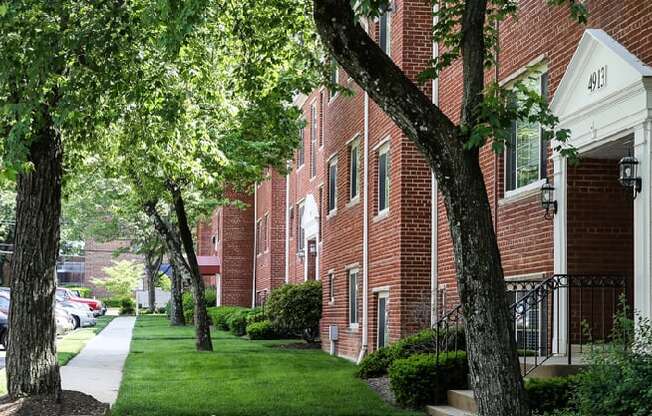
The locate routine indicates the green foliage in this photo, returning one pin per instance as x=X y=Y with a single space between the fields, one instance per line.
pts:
x=424 y=378
x=296 y=309
x=261 y=330
x=256 y=315
x=220 y=316
x=378 y=362
x=550 y=394
x=237 y=322
x=112 y=302
x=123 y=278
x=164 y=282
x=127 y=306
x=210 y=298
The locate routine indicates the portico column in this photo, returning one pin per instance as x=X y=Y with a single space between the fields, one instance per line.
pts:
x=642 y=227
x=560 y=326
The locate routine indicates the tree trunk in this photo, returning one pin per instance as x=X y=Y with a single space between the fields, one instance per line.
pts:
x=152 y=266
x=202 y=326
x=495 y=373
x=176 y=300
x=175 y=249
x=32 y=367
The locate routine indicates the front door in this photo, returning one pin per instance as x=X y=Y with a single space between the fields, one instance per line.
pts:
x=383 y=320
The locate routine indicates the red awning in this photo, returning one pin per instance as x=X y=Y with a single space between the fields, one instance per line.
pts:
x=208 y=265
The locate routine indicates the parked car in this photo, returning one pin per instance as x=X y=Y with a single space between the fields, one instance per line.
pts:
x=81 y=314
x=95 y=305
x=4 y=330
x=63 y=321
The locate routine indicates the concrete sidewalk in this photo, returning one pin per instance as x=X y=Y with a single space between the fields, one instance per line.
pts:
x=97 y=370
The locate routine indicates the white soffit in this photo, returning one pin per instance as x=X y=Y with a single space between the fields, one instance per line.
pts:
x=606 y=90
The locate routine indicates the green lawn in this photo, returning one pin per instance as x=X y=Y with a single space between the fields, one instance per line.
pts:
x=165 y=376
x=68 y=346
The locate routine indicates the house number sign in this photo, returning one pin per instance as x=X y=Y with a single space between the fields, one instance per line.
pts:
x=598 y=79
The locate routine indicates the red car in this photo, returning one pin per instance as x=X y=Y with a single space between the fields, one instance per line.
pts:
x=94 y=305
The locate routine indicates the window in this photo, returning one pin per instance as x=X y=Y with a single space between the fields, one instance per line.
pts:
x=266 y=232
x=300 y=230
x=332 y=186
x=300 y=154
x=331 y=287
x=385 y=32
x=383 y=178
x=321 y=124
x=354 y=169
x=321 y=203
x=218 y=228
x=353 y=296
x=526 y=153
x=335 y=78
x=313 y=140
x=291 y=223
x=258 y=237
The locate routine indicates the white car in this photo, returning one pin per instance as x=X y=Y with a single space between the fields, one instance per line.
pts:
x=64 y=321
x=81 y=314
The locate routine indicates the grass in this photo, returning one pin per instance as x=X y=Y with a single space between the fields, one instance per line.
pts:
x=164 y=375
x=68 y=346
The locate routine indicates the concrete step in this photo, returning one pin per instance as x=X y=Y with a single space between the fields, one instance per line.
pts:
x=462 y=400
x=446 y=411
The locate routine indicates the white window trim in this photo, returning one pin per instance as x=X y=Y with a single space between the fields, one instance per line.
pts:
x=349 y=272
x=332 y=97
x=332 y=161
x=355 y=144
x=331 y=287
x=383 y=213
x=523 y=192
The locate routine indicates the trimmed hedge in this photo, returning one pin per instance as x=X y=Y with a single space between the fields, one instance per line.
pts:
x=295 y=309
x=237 y=322
x=221 y=314
x=424 y=378
x=127 y=306
x=378 y=362
x=550 y=394
x=261 y=330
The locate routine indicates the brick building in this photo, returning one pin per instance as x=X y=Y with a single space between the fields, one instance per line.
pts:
x=99 y=255
x=356 y=209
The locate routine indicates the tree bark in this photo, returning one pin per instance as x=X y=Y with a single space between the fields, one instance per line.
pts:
x=32 y=367
x=202 y=326
x=175 y=247
x=152 y=266
x=176 y=300
x=495 y=373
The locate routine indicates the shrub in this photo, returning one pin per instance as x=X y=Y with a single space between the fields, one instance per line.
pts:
x=296 y=309
x=256 y=315
x=189 y=303
x=237 y=322
x=424 y=378
x=261 y=330
x=112 y=302
x=377 y=363
x=550 y=394
x=127 y=306
x=220 y=315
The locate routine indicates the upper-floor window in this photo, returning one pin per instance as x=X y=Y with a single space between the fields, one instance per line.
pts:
x=291 y=222
x=266 y=232
x=332 y=185
x=526 y=152
x=354 y=169
x=300 y=153
x=300 y=230
x=385 y=32
x=335 y=78
x=353 y=296
x=218 y=229
x=321 y=204
x=313 y=140
x=383 y=178
x=259 y=236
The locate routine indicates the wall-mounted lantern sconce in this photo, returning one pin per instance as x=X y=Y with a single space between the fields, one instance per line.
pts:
x=548 y=201
x=301 y=253
x=628 y=167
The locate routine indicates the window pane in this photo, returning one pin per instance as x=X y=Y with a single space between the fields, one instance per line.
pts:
x=332 y=186
x=354 y=171
x=313 y=142
x=383 y=36
x=353 y=297
x=382 y=181
x=525 y=167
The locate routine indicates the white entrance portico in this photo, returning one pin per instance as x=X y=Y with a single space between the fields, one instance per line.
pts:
x=605 y=100
x=310 y=224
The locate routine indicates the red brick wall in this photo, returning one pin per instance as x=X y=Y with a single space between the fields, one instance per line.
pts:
x=101 y=255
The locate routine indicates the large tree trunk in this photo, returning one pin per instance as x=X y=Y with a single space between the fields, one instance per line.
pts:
x=175 y=248
x=152 y=266
x=32 y=367
x=202 y=325
x=496 y=378
x=176 y=299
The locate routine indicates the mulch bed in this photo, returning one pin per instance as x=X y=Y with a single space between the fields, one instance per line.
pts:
x=299 y=346
x=73 y=403
x=381 y=386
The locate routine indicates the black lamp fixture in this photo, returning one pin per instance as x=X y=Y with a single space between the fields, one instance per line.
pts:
x=548 y=201
x=628 y=167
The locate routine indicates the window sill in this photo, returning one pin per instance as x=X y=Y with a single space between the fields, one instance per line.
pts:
x=300 y=168
x=333 y=98
x=354 y=327
x=331 y=214
x=381 y=216
x=523 y=192
x=353 y=202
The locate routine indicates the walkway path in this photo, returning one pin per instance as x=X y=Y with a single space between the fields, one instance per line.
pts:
x=97 y=370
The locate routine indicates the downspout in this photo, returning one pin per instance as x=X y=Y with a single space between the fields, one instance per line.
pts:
x=253 y=286
x=287 y=225
x=365 y=236
x=434 y=212
x=496 y=75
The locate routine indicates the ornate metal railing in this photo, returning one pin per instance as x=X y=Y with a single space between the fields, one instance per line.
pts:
x=559 y=316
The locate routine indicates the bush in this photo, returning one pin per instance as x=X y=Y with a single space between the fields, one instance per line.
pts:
x=378 y=362
x=550 y=394
x=256 y=315
x=261 y=330
x=220 y=315
x=296 y=309
x=237 y=322
x=189 y=303
x=127 y=306
x=112 y=302
x=424 y=378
